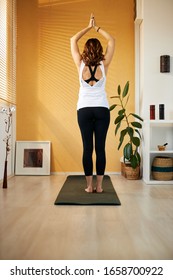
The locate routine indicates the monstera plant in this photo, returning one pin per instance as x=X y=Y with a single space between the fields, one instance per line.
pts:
x=129 y=126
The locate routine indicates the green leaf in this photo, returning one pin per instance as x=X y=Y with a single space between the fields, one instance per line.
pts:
x=120 y=143
x=138 y=157
x=127 y=99
x=136 y=124
x=118 y=119
x=136 y=116
x=130 y=131
x=122 y=134
x=136 y=141
x=126 y=89
x=112 y=107
x=134 y=161
x=117 y=127
x=119 y=90
x=121 y=112
x=137 y=131
x=128 y=151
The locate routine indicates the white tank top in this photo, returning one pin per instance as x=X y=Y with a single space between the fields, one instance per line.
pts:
x=92 y=96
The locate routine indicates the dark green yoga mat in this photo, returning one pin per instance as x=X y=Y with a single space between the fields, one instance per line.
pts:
x=73 y=193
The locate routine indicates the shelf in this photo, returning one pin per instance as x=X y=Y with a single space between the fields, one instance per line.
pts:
x=159 y=122
x=161 y=134
x=156 y=132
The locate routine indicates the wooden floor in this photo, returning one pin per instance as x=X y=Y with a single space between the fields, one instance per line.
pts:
x=31 y=227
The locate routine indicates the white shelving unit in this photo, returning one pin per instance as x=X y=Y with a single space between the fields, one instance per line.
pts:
x=156 y=132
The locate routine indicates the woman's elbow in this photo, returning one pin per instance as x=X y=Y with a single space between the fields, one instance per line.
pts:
x=73 y=39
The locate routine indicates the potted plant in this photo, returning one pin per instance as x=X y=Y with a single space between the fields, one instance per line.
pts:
x=130 y=135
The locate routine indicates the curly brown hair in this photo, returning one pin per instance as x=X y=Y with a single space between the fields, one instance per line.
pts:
x=93 y=52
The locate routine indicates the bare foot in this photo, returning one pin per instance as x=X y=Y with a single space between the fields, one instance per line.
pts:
x=89 y=180
x=99 y=190
x=89 y=190
x=99 y=184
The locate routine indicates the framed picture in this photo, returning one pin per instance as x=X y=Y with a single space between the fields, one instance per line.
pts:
x=32 y=158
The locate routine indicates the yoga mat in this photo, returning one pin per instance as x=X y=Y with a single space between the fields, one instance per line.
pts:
x=73 y=193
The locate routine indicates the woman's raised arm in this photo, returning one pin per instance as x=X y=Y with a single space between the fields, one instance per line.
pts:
x=74 y=41
x=110 y=44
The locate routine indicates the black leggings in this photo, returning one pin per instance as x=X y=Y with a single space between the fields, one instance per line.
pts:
x=94 y=121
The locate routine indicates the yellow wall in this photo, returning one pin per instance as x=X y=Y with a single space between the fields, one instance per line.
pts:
x=47 y=79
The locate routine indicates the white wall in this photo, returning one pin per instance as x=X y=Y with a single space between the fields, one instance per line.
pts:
x=156 y=39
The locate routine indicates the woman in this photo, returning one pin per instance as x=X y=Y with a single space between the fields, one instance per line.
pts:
x=93 y=108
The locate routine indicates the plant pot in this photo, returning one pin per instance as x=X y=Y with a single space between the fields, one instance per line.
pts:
x=123 y=173
x=123 y=169
x=132 y=173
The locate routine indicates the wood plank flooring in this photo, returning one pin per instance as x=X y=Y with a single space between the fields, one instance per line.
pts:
x=32 y=227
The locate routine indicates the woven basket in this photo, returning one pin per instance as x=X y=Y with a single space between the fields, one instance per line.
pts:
x=123 y=164
x=162 y=168
x=131 y=173
x=123 y=173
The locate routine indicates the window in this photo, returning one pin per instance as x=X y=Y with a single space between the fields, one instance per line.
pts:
x=8 y=51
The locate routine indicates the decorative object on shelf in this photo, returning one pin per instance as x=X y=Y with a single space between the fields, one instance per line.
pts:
x=130 y=133
x=156 y=133
x=162 y=168
x=152 y=112
x=161 y=111
x=32 y=158
x=164 y=63
x=8 y=122
x=162 y=147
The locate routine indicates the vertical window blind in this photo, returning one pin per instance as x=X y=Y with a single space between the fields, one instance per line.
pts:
x=8 y=51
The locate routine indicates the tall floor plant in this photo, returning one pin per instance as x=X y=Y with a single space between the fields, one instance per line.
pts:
x=130 y=135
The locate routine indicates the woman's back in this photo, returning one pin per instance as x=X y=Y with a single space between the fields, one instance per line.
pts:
x=92 y=74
